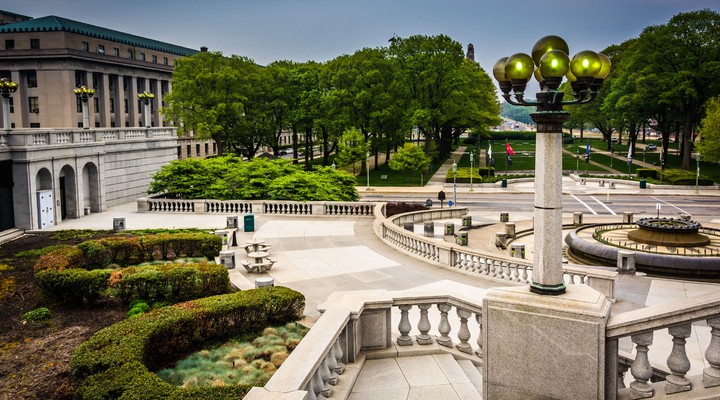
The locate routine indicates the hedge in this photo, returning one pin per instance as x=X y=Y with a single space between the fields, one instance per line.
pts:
x=80 y=273
x=463 y=176
x=116 y=361
x=674 y=176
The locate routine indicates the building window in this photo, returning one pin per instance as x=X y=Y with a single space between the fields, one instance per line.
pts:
x=31 y=79
x=125 y=103
x=111 y=83
x=12 y=106
x=112 y=124
x=125 y=83
x=101 y=49
x=197 y=149
x=96 y=104
x=179 y=151
x=127 y=124
x=116 y=52
x=34 y=44
x=34 y=124
x=165 y=60
x=9 y=44
x=130 y=54
x=96 y=80
x=78 y=104
x=34 y=104
x=189 y=151
x=80 y=124
x=142 y=56
x=112 y=105
x=206 y=149
x=154 y=59
x=85 y=46
x=80 y=78
x=97 y=124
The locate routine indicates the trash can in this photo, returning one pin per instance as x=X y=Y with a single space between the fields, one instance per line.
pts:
x=227 y=258
x=232 y=222
x=467 y=220
x=503 y=183
x=504 y=217
x=249 y=222
x=409 y=226
x=643 y=183
x=429 y=228
x=119 y=224
x=449 y=228
x=462 y=239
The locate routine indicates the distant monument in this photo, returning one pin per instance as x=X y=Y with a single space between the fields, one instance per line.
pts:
x=470 y=52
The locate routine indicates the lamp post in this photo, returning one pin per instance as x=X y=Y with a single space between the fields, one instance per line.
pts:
x=84 y=94
x=454 y=169
x=146 y=97
x=367 y=169
x=697 y=174
x=333 y=166
x=472 y=166
x=586 y=72
x=7 y=88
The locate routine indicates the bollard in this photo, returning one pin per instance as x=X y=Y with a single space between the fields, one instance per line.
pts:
x=462 y=239
x=626 y=262
x=517 y=250
x=510 y=229
x=232 y=222
x=87 y=210
x=119 y=224
x=612 y=185
x=601 y=183
x=501 y=239
x=449 y=229
x=429 y=229
x=582 y=181
x=627 y=217
x=467 y=220
x=227 y=258
x=504 y=217
x=409 y=226
x=685 y=217
x=577 y=218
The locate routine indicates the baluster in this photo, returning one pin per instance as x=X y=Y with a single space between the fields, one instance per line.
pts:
x=478 y=318
x=483 y=267
x=404 y=326
x=310 y=390
x=325 y=376
x=678 y=361
x=641 y=369
x=338 y=355
x=711 y=374
x=444 y=327
x=332 y=365
x=464 y=332
x=424 y=325
x=515 y=273
x=621 y=370
x=524 y=278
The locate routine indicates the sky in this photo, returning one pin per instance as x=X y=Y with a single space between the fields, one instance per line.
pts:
x=320 y=30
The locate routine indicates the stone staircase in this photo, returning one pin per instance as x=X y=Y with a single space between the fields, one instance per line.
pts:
x=426 y=376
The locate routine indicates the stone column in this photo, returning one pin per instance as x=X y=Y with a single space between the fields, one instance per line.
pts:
x=6 y=112
x=132 y=102
x=547 y=274
x=104 y=89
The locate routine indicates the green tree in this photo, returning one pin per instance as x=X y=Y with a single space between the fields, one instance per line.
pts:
x=410 y=158
x=709 y=145
x=352 y=148
x=194 y=178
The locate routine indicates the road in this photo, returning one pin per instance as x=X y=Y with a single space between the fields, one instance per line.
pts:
x=591 y=204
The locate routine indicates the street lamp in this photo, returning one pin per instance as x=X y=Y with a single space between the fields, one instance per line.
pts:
x=7 y=88
x=333 y=166
x=84 y=94
x=697 y=174
x=454 y=169
x=367 y=169
x=585 y=72
x=472 y=166
x=146 y=97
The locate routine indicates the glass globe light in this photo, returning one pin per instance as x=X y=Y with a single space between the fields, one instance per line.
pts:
x=606 y=65
x=554 y=64
x=546 y=44
x=519 y=66
x=499 y=70
x=538 y=75
x=570 y=77
x=585 y=64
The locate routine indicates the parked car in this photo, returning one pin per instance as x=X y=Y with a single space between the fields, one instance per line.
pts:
x=614 y=140
x=651 y=146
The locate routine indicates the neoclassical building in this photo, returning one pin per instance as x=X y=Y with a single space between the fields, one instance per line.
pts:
x=50 y=167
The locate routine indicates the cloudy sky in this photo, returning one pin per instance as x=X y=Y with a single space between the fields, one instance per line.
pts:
x=320 y=30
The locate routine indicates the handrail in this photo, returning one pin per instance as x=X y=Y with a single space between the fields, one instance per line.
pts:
x=269 y=207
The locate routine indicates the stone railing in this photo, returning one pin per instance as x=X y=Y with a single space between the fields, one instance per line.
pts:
x=489 y=265
x=269 y=207
x=359 y=325
x=706 y=251
x=64 y=137
x=678 y=318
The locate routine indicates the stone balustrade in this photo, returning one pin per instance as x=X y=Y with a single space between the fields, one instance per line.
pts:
x=269 y=207
x=49 y=137
x=356 y=324
x=489 y=265
x=678 y=319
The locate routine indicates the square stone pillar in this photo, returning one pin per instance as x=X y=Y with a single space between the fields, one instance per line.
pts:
x=539 y=347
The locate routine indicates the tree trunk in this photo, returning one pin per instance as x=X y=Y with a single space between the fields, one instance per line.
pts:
x=295 y=144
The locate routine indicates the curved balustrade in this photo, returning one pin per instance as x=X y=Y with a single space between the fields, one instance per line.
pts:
x=677 y=318
x=364 y=209
x=315 y=208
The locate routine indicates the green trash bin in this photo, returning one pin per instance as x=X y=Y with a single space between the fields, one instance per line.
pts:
x=643 y=184
x=249 y=223
x=503 y=183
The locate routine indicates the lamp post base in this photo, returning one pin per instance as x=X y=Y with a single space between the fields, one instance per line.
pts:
x=553 y=290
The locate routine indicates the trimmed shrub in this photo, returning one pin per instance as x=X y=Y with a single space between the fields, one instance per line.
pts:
x=463 y=176
x=74 y=285
x=486 y=171
x=683 y=177
x=116 y=361
x=38 y=314
x=59 y=259
x=647 y=173
x=170 y=282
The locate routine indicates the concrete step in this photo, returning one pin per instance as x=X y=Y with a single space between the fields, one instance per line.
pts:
x=10 y=234
x=464 y=387
x=473 y=372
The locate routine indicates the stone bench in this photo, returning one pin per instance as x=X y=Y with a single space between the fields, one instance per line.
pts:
x=258 y=267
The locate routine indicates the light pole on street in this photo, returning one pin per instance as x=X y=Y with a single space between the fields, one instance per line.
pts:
x=472 y=166
x=454 y=168
x=367 y=169
x=586 y=73
x=84 y=94
x=697 y=174
x=7 y=88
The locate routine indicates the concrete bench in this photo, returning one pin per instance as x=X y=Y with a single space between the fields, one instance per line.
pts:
x=258 y=267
